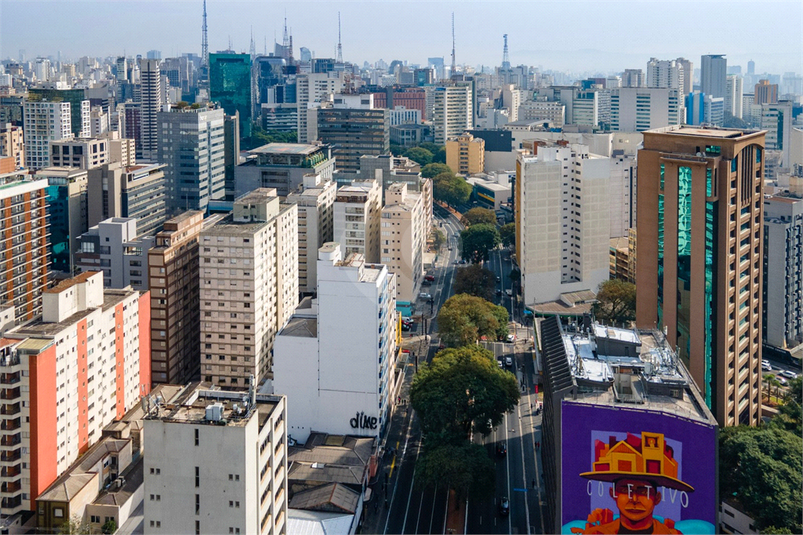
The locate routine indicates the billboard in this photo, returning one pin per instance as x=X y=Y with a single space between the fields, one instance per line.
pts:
x=625 y=470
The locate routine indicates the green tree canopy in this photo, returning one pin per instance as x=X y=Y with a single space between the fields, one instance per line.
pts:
x=439 y=155
x=616 y=302
x=109 y=527
x=450 y=189
x=731 y=121
x=466 y=468
x=790 y=413
x=260 y=137
x=477 y=241
x=438 y=237
x=479 y=215
x=419 y=155
x=434 y=169
x=761 y=469
x=508 y=234
x=463 y=319
x=475 y=280
x=459 y=390
x=431 y=147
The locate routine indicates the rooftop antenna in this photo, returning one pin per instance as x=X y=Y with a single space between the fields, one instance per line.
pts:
x=454 y=64
x=204 y=46
x=339 y=44
x=505 y=57
x=230 y=48
x=253 y=50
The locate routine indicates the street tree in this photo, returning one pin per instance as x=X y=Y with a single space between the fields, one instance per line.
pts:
x=616 y=302
x=75 y=526
x=760 y=468
x=770 y=382
x=438 y=238
x=790 y=414
x=463 y=319
x=451 y=189
x=460 y=390
x=479 y=215
x=477 y=241
x=439 y=156
x=419 y=155
x=466 y=468
x=508 y=234
x=475 y=280
x=434 y=169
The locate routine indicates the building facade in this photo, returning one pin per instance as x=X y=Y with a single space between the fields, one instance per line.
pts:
x=150 y=105
x=230 y=86
x=713 y=75
x=67 y=204
x=114 y=247
x=283 y=166
x=84 y=153
x=700 y=253
x=404 y=237
x=638 y=109
x=451 y=110
x=358 y=210
x=311 y=90
x=44 y=122
x=465 y=155
x=354 y=132
x=12 y=143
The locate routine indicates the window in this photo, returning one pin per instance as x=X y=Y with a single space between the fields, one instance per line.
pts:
x=197 y=476
x=94 y=519
x=197 y=503
x=197 y=439
x=197 y=527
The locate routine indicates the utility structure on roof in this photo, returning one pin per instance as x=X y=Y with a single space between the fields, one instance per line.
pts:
x=204 y=50
x=339 y=43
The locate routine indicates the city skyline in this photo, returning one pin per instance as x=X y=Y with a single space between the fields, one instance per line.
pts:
x=626 y=41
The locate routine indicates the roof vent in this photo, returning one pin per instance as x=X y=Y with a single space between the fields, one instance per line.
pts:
x=214 y=412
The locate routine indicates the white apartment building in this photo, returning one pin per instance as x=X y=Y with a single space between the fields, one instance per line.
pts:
x=99 y=121
x=66 y=375
x=638 y=109
x=112 y=247
x=150 y=105
x=665 y=74
x=402 y=115
x=403 y=238
x=216 y=462
x=776 y=119
x=311 y=90
x=43 y=123
x=733 y=95
x=358 y=209
x=249 y=287
x=622 y=189
x=315 y=203
x=336 y=358
x=538 y=110
x=563 y=215
x=450 y=109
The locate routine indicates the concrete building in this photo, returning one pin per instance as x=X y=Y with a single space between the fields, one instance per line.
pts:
x=76 y=98
x=699 y=264
x=586 y=108
x=12 y=143
x=188 y=489
x=358 y=211
x=776 y=119
x=24 y=227
x=404 y=238
x=688 y=75
x=136 y=191
x=632 y=380
x=353 y=128
x=249 y=287
x=783 y=278
x=702 y=109
x=636 y=110
x=665 y=74
x=44 y=122
x=315 y=203
x=553 y=113
x=191 y=147
x=733 y=95
x=465 y=155
x=765 y=92
x=562 y=215
x=150 y=105
x=114 y=247
x=622 y=199
x=311 y=90
x=713 y=75
x=67 y=203
x=231 y=152
x=83 y=153
x=633 y=78
x=283 y=166
x=401 y=115
x=71 y=382
x=451 y=110
x=175 y=312
x=353 y=320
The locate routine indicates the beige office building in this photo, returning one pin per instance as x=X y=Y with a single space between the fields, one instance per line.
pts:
x=403 y=239
x=466 y=155
x=249 y=287
x=700 y=253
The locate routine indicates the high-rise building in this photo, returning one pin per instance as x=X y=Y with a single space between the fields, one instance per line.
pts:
x=562 y=215
x=733 y=96
x=713 y=75
x=358 y=211
x=175 y=315
x=633 y=78
x=635 y=110
x=187 y=487
x=704 y=109
x=12 y=143
x=322 y=394
x=765 y=93
x=249 y=287
x=783 y=279
x=71 y=381
x=230 y=86
x=404 y=238
x=68 y=208
x=83 y=153
x=311 y=90
x=231 y=152
x=465 y=155
x=353 y=128
x=688 y=75
x=622 y=194
x=699 y=263
x=150 y=105
x=665 y=74
x=79 y=106
x=283 y=166
x=24 y=226
x=315 y=203
x=114 y=248
x=538 y=110
x=192 y=147
x=136 y=191
x=751 y=67
x=776 y=119
x=44 y=123
x=451 y=110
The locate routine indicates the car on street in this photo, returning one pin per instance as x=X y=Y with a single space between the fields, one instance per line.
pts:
x=508 y=361
x=504 y=506
x=766 y=366
x=456 y=262
x=782 y=381
x=509 y=292
x=463 y=261
x=510 y=338
x=498 y=278
x=424 y=295
x=501 y=449
x=430 y=278
x=789 y=374
x=501 y=364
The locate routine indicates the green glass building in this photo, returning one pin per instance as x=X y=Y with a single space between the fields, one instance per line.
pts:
x=230 y=86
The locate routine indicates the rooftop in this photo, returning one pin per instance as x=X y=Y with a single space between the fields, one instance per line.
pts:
x=331 y=459
x=302 y=149
x=69 y=283
x=301 y=327
x=719 y=133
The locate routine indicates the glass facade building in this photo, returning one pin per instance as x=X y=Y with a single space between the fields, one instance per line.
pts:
x=230 y=86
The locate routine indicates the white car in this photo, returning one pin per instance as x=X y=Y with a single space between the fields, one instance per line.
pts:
x=508 y=361
x=509 y=292
x=788 y=374
x=511 y=338
x=766 y=366
x=425 y=296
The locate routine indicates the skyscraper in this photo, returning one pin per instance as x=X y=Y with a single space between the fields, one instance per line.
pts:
x=699 y=260
x=733 y=95
x=44 y=122
x=450 y=109
x=230 y=86
x=354 y=128
x=713 y=75
x=150 y=105
x=664 y=74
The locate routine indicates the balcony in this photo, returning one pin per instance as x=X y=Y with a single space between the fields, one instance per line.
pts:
x=10 y=471
x=10 y=378
x=14 y=486
x=10 y=393
x=11 y=503
x=10 y=440
x=10 y=425
x=10 y=456
x=10 y=409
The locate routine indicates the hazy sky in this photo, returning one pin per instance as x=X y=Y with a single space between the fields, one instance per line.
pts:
x=570 y=35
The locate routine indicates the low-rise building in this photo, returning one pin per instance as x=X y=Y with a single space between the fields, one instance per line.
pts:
x=112 y=247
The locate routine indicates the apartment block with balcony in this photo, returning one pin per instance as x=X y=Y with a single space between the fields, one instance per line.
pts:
x=404 y=238
x=358 y=210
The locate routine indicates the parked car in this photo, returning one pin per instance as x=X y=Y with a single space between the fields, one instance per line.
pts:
x=501 y=364
x=498 y=278
x=509 y=292
x=425 y=282
x=504 y=506
x=510 y=338
x=766 y=366
x=501 y=449
x=425 y=296
x=429 y=278
x=498 y=291
x=508 y=361
x=788 y=374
